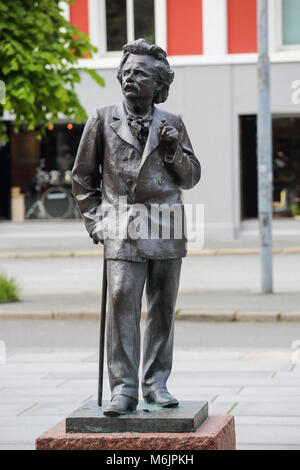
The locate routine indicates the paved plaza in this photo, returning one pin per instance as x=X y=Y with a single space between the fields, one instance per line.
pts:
x=242 y=369
x=245 y=369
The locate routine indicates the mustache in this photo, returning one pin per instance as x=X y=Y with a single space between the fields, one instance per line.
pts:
x=132 y=86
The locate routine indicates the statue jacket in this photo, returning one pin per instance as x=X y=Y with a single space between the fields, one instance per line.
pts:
x=113 y=171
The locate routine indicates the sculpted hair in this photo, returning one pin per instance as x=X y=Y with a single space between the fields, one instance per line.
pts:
x=164 y=74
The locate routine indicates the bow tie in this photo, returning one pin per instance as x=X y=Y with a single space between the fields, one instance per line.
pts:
x=139 y=124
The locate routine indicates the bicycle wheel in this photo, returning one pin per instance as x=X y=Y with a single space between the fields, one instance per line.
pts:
x=58 y=203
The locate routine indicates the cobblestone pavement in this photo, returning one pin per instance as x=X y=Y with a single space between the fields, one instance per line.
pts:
x=259 y=386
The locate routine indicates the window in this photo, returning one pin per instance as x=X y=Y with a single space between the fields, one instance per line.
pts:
x=286 y=166
x=290 y=22
x=284 y=21
x=113 y=23
x=144 y=20
x=127 y=20
x=116 y=25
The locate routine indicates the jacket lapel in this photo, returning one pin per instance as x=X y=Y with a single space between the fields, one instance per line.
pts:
x=153 y=137
x=120 y=125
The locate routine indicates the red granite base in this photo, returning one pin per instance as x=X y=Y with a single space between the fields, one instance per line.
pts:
x=216 y=433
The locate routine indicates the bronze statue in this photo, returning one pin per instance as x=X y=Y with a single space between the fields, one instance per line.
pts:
x=137 y=151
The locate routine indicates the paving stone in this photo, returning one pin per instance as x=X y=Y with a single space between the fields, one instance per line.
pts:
x=79 y=384
x=61 y=357
x=216 y=408
x=278 y=391
x=245 y=366
x=256 y=374
x=292 y=373
x=266 y=409
x=12 y=409
x=259 y=398
x=246 y=381
x=76 y=375
x=17 y=446
x=48 y=367
x=50 y=408
x=25 y=421
x=29 y=383
x=23 y=433
x=190 y=394
x=268 y=434
x=266 y=447
x=6 y=373
x=10 y=393
x=212 y=354
x=26 y=401
x=202 y=390
x=271 y=420
x=232 y=381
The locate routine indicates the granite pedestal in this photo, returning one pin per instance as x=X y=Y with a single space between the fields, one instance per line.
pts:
x=155 y=429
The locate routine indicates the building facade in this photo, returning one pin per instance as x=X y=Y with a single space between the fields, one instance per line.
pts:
x=212 y=47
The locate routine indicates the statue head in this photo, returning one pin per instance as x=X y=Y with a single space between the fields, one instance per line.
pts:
x=153 y=60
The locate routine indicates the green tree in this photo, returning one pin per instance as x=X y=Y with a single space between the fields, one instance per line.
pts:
x=39 y=49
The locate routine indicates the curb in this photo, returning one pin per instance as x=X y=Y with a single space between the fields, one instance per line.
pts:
x=51 y=254
x=180 y=315
x=90 y=315
x=236 y=316
x=96 y=253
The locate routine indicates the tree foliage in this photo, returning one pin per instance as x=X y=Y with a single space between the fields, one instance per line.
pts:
x=39 y=49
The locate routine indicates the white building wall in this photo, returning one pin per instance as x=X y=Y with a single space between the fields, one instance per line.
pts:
x=214 y=27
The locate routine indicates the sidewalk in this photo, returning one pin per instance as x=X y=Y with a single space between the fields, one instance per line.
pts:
x=199 y=306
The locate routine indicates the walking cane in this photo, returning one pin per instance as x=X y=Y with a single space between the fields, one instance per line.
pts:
x=102 y=333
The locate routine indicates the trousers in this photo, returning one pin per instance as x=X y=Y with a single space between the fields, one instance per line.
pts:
x=125 y=282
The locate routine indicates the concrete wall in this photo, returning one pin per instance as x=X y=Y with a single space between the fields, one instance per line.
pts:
x=210 y=99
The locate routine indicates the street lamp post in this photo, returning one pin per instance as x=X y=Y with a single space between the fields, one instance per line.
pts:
x=264 y=149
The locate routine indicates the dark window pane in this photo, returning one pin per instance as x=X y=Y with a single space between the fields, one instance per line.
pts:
x=144 y=20
x=116 y=29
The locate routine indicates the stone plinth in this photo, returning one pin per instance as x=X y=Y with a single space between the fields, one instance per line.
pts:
x=217 y=432
x=187 y=417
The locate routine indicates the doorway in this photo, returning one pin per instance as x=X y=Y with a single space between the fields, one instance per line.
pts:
x=41 y=170
x=286 y=167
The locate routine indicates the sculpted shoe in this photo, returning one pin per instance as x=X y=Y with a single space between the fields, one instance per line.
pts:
x=162 y=398
x=120 y=405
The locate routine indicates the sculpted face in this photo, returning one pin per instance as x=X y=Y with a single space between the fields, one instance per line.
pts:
x=138 y=77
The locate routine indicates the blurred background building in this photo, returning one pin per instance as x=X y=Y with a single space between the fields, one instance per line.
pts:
x=212 y=47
